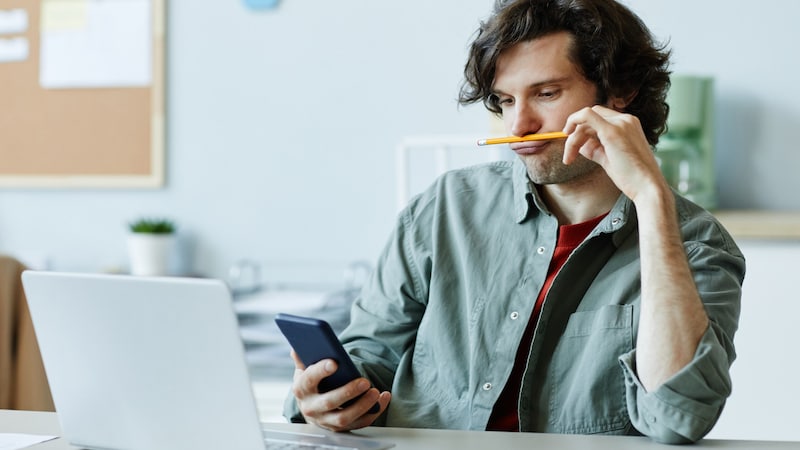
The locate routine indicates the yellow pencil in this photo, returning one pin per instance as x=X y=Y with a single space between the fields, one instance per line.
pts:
x=530 y=137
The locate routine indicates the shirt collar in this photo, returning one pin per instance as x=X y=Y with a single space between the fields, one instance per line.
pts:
x=620 y=221
x=526 y=198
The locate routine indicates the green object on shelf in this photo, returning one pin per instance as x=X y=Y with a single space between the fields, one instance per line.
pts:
x=686 y=151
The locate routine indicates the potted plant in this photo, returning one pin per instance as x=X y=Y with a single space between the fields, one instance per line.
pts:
x=151 y=244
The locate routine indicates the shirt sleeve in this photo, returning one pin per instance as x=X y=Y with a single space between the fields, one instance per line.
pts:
x=291 y=411
x=686 y=406
x=386 y=314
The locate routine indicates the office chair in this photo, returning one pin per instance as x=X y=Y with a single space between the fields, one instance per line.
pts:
x=23 y=383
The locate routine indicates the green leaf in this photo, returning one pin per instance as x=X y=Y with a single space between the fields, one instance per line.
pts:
x=152 y=225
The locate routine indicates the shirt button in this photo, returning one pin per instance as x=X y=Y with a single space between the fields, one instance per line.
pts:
x=540 y=250
x=487 y=386
x=615 y=221
x=514 y=315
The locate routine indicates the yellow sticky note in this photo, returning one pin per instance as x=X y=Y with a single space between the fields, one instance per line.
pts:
x=63 y=15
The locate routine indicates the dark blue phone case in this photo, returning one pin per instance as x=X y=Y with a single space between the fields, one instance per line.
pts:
x=314 y=340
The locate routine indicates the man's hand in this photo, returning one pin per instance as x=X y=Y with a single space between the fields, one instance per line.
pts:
x=615 y=141
x=324 y=409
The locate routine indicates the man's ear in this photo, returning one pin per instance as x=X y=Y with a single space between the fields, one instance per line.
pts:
x=620 y=103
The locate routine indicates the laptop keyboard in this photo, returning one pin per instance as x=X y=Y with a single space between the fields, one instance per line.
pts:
x=276 y=444
x=285 y=440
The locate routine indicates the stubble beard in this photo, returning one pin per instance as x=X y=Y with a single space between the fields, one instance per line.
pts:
x=550 y=168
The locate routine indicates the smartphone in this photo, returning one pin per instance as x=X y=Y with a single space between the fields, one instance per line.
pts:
x=314 y=340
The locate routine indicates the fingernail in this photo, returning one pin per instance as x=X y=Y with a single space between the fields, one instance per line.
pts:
x=363 y=385
x=329 y=366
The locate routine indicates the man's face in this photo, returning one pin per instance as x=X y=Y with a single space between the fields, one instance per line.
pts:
x=538 y=87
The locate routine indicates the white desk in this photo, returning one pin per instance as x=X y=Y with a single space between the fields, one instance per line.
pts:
x=418 y=439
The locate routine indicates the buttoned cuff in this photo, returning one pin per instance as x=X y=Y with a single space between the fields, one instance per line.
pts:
x=687 y=405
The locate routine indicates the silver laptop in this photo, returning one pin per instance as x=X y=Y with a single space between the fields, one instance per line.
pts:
x=147 y=363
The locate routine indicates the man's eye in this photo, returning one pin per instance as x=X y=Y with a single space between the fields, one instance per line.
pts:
x=504 y=101
x=548 y=94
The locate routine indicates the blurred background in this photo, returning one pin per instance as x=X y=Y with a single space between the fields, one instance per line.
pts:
x=282 y=125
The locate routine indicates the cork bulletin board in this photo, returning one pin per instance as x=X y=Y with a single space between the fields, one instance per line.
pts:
x=82 y=93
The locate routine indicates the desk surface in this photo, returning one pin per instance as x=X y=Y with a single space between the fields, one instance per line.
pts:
x=419 y=439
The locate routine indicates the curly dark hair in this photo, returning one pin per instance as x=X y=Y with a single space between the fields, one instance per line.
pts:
x=612 y=48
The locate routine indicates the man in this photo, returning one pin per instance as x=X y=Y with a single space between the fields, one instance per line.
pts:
x=569 y=291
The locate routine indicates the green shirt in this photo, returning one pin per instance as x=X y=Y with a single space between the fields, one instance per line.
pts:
x=440 y=320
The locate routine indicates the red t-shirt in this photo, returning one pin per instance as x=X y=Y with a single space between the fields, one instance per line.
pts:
x=505 y=416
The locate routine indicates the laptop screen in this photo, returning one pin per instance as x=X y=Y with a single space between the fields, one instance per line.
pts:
x=144 y=362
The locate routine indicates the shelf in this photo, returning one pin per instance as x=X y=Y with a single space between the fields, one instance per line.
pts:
x=754 y=224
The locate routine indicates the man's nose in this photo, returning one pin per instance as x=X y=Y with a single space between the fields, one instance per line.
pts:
x=526 y=120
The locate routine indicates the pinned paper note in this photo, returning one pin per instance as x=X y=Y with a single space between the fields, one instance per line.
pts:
x=96 y=43
x=13 y=21
x=13 y=49
x=69 y=15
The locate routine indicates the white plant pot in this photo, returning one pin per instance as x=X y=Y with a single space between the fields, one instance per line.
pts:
x=150 y=253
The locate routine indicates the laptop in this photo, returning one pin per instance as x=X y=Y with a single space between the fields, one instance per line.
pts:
x=148 y=363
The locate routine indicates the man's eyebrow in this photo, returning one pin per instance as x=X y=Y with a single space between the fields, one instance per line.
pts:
x=536 y=85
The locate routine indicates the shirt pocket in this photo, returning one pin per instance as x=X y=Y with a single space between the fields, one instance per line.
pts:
x=587 y=392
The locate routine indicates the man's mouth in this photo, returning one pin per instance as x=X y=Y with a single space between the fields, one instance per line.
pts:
x=529 y=148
